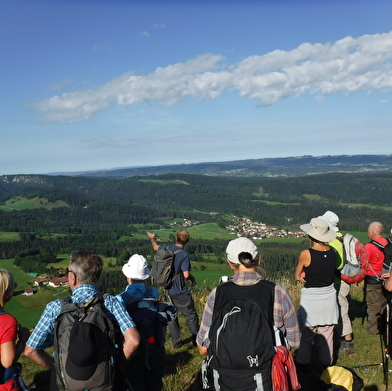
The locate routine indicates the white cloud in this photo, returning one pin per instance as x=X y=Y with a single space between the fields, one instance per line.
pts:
x=348 y=65
x=144 y=34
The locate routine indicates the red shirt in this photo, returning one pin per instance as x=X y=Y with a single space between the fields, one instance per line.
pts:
x=8 y=332
x=376 y=257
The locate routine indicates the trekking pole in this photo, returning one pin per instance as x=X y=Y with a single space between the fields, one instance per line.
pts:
x=386 y=372
x=126 y=381
x=364 y=306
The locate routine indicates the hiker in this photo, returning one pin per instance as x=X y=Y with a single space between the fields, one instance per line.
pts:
x=375 y=299
x=179 y=293
x=274 y=308
x=10 y=332
x=318 y=312
x=145 y=370
x=83 y=273
x=343 y=288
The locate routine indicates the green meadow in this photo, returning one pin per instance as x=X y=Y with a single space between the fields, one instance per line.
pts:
x=20 y=203
x=209 y=231
x=8 y=236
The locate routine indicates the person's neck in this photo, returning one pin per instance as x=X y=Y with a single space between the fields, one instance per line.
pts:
x=242 y=268
x=320 y=246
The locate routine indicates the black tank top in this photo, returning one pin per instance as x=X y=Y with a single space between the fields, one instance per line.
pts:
x=321 y=271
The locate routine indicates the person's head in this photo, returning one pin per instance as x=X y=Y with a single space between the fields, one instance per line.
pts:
x=136 y=269
x=331 y=218
x=7 y=286
x=85 y=266
x=182 y=237
x=242 y=252
x=319 y=230
x=375 y=230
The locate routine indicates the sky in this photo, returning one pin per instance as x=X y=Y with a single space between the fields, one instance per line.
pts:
x=101 y=84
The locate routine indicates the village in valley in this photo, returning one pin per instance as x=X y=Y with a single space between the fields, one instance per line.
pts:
x=243 y=226
x=48 y=280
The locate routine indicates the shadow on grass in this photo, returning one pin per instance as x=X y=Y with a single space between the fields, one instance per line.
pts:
x=41 y=382
x=180 y=358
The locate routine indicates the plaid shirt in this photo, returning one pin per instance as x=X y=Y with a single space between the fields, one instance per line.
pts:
x=285 y=317
x=43 y=334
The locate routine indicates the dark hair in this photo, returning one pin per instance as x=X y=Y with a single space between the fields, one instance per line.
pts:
x=246 y=259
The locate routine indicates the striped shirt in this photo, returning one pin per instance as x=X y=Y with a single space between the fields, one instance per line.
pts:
x=285 y=317
x=43 y=334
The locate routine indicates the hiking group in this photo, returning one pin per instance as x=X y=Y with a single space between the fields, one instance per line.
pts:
x=251 y=334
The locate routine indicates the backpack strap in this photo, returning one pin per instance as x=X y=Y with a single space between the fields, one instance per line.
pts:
x=64 y=301
x=378 y=245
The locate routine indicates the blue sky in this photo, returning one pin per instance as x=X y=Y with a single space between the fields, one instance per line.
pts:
x=101 y=84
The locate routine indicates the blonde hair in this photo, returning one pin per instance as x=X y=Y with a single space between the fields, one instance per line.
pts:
x=7 y=285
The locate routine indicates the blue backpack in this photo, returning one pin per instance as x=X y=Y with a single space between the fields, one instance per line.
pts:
x=151 y=317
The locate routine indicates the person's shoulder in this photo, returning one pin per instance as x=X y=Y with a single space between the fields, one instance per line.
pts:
x=305 y=253
x=154 y=292
x=55 y=304
x=280 y=289
x=381 y=240
x=8 y=319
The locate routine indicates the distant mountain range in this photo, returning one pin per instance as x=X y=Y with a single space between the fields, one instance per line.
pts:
x=269 y=167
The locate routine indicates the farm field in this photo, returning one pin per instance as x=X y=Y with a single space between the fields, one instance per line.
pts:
x=20 y=203
x=8 y=236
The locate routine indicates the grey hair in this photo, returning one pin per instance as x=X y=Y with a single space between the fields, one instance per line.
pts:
x=86 y=265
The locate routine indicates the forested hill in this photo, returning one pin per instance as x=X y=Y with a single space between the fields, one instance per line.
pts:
x=105 y=203
x=269 y=167
x=50 y=215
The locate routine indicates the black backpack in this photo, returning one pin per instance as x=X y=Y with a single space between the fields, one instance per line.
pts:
x=162 y=268
x=387 y=250
x=85 y=341
x=241 y=336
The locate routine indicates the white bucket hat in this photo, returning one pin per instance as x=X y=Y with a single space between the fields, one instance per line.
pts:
x=136 y=268
x=320 y=230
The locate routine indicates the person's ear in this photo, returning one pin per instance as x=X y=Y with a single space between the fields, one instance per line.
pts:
x=232 y=266
x=72 y=278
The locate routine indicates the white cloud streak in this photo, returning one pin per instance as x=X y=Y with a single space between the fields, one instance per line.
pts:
x=348 y=65
x=144 y=34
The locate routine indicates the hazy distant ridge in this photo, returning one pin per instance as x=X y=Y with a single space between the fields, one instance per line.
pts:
x=288 y=166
